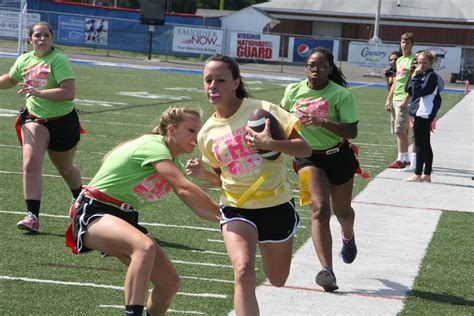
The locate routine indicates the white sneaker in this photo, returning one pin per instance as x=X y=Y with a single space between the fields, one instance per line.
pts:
x=409 y=168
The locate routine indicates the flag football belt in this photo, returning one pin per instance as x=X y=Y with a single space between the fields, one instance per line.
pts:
x=254 y=193
x=95 y=194
x=32 y=118
x=332 y=150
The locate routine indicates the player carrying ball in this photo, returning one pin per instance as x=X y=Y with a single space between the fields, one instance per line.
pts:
x=266 y=216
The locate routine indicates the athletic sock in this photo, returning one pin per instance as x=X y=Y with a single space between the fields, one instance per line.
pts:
x=33 y=206
x=134 y=309
x=400 y=157
x=413 y=159
x=329 y=268
x=76 y=192
x=405 y=157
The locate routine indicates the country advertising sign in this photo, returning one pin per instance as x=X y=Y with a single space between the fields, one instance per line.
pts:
x=299 y=48
x=371 y=55
x=254 y=45
x=448 y=59
x=197 y=40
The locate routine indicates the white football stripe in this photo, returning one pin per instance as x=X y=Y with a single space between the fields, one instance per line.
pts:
x=256 y=122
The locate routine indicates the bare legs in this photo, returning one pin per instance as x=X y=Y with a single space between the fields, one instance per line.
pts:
x=402 y=142
x=241 y=241
x=35 y=144
x=323 y=195
x=146 y=262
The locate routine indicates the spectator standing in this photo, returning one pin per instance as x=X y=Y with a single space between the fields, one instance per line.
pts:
x=391 y=72
x=397 y=102
x=424 y=88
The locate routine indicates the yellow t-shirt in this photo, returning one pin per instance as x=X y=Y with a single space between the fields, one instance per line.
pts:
x=223 y=146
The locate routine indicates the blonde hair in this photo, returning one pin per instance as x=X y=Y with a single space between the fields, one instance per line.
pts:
x=172 y=115
x=427 y=54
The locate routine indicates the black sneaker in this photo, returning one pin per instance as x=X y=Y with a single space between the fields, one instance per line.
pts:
x=327 y=280
x=349 y=250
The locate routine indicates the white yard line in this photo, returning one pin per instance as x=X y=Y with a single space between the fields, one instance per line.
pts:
x=102 y=286
x=168 y=311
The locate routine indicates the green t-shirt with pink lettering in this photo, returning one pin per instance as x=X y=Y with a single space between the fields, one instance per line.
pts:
x=333 y=102
x=43 y=73
x=128 y=174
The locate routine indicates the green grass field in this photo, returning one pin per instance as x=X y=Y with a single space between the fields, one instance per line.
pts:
x=39 y=275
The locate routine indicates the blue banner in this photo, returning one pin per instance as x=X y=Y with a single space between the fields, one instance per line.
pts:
x=71 y=29
x=302 y=47
x=78 y=30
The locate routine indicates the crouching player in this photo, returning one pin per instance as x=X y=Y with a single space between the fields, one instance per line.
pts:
x=138 y=171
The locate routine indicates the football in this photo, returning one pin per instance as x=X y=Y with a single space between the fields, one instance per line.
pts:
x=256 y=122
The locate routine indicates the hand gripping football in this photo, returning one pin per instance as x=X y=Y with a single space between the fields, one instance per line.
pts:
x=257 y=123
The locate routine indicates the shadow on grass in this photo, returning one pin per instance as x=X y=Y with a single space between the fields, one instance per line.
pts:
x=40 y=234
x=166 y=244
x=440 y=298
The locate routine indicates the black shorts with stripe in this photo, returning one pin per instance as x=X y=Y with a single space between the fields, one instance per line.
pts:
x=340 y=167
x=89 y=209
x=273 y=224
x=64 y=132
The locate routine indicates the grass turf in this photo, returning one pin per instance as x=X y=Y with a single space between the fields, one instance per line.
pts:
x=135 y=100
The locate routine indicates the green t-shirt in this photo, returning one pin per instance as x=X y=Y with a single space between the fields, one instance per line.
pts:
x=334 y=102
x=128 y=175
x=43 y=73
x=403 y=72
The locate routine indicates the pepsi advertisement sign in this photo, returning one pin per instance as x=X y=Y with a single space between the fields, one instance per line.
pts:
x=299 y=48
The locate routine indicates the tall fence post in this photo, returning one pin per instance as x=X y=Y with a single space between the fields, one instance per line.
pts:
x=21 y=22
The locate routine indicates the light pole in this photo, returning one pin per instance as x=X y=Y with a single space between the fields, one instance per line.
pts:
x=376 y=38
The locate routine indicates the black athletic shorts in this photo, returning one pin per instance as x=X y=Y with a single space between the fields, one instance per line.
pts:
x=340 y=166
x=89 y=209
x=273 y=224
x=64 y=132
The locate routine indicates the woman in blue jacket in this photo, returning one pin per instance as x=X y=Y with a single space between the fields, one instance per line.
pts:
x=424 y=88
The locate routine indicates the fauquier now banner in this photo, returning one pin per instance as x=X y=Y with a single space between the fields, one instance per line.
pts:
x=299 y=48
x=197 y=40
x=254 y=45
